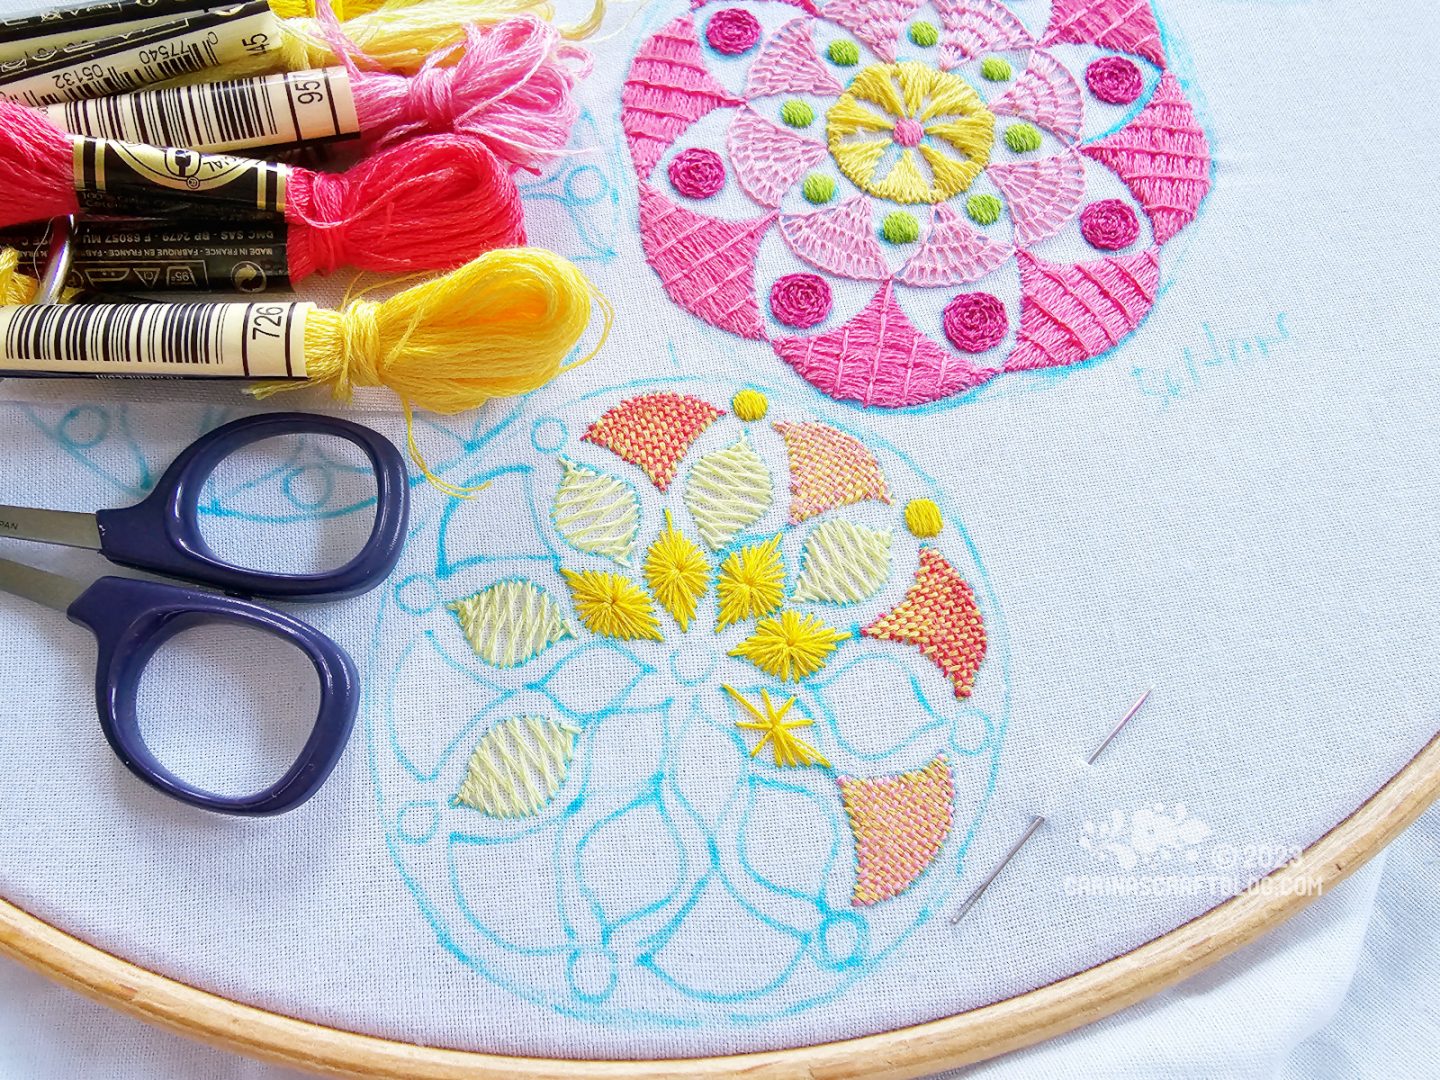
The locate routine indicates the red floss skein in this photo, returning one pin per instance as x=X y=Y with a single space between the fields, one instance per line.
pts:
x=429 y=204
x=511 y=88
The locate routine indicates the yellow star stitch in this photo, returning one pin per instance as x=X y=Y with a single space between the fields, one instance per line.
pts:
x=789 y=647
x=613 y=606
x=677 y=572
x=789 y=750
x=751 y=583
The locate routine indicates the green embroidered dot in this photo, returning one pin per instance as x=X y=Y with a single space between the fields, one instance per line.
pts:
x=818 y=188
x=983 y=209
x=1022 y=138
x=900 y=227
x=797 y=114
x=995 y=69
x=924 y=34
x=844 y=53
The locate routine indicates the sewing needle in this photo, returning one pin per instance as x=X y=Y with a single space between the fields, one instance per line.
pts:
x=975 y=896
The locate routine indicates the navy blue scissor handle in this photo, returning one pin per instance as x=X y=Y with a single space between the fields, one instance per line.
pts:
x=161 y=534
x=131 y=619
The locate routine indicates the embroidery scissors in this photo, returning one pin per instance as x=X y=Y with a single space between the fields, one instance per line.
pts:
x=131 y=618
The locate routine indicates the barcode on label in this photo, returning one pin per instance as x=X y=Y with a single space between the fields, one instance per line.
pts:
x=201 y=340
x=153 y=54
x=242 y=113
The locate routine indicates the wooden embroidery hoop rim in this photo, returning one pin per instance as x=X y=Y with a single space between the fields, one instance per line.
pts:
x=926 y=1048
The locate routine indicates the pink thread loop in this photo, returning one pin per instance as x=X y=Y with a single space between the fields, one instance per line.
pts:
x=800 y=300
x=1109 y=225
x=329 y=209
x=732 y=31
x=976 y=322
x=697 y=173
x=1114 y=80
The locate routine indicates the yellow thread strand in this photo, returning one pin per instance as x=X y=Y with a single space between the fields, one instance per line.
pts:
x=751 y=583
x=727 y=491
x=843 y=563
x=511 y=622
x=790 y=646
x=596 y=512
x=18 y=288
x=517 y=767
x=677 y=572
x=612 y=606
x=787 y=748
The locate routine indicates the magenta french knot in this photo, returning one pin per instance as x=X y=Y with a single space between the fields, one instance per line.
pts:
x=697 y=173
x=800 y=300
x=1114 y=80
x=976 y=322
x=733 y=31
x=1109 y=225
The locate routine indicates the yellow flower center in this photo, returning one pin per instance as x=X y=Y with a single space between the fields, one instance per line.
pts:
x=936 y=121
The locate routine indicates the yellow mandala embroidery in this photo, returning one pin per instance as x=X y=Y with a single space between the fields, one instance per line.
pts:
x=788 y=749
x=751 y=583
x=677 y=572
x=613 y=606
x=938 y=123
x=790 y=646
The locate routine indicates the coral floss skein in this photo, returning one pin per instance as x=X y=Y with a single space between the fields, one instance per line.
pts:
x=429 y=204
x=511 y=88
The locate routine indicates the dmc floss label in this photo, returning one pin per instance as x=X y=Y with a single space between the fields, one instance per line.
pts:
x=138 y=173
x=25 y=35
x=191 y=341
x=124 y=257
x=269 y=110
x=152 y=54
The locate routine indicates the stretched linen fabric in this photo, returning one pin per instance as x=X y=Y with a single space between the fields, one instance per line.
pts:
x=968 y=379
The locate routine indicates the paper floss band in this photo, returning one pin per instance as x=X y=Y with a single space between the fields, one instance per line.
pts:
x=430 y=204
x=499 y=326
x=98 y=59
x=511 y=88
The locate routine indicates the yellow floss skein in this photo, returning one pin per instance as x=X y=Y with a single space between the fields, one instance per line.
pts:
x=18 y=288
x=498 y=326
x=397 y=35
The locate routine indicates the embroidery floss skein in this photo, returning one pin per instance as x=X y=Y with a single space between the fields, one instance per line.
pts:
x=500 y=325
x=399 y=35
x=429 y=204
x=511 y=88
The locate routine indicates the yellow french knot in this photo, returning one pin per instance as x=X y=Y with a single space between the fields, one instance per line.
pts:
x=893 y=104
x=923 y=519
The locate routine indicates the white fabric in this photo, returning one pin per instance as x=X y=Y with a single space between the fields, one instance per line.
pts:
x=1316 y=999
x=1258 y=543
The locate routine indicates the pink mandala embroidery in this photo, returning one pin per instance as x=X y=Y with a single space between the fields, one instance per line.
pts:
x=917 y=208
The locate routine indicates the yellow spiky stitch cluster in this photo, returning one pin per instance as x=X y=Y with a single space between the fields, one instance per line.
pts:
x=790 y=646
x=677 y=572
x=613 y=606
x=751 y=583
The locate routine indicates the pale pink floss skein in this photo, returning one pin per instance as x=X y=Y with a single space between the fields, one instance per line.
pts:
x=511 y=89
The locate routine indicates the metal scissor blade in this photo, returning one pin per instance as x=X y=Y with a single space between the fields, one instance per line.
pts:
x=52 y=590
x=64 y=527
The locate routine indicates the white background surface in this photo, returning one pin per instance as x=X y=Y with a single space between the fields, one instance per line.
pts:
x=1347 y=990
x=1263 y=549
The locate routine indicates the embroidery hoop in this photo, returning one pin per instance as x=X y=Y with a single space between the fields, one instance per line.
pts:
x=951 y=1042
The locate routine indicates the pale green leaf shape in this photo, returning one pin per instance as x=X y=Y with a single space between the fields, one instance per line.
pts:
x=726 y=491
x=517 y=767
x=511 y=622
x=596 y=513
x=843 y=563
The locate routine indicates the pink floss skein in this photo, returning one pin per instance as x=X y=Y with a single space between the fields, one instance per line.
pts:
x=510 y=88
x=433 y=203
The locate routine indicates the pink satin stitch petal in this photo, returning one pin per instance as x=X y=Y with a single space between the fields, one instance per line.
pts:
x=768 y=158
x=668 y=89
x=1069 y=314
x=1125 y=25
x=840 y=240
x=877 y=23
x=1163 y=157
x=1048 y=95
x=706 y=265
x=972 y=27
x=1043 y=195
x=789 y=64
x=955 y=253
x=879 y=358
